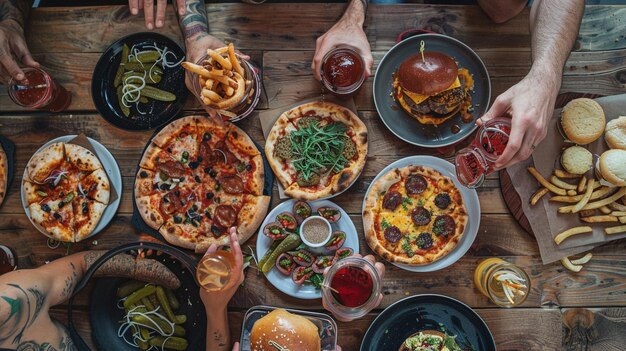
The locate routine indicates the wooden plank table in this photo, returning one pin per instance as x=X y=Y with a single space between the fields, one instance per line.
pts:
x=582 y=311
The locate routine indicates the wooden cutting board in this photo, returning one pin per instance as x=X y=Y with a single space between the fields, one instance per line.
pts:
x=511 y=198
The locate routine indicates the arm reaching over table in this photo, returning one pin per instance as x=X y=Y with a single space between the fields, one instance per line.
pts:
x=148 y=8
x=347 y=31
x=26 y=296
x=554 y=26
x=13 y=49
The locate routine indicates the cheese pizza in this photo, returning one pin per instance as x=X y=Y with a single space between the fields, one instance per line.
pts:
x=198 y=177
x=413 y=215
x=66 y=191
x=317 y=150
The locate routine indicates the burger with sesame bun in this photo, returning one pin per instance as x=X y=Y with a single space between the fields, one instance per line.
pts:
x=431 y=88
x=281 y=330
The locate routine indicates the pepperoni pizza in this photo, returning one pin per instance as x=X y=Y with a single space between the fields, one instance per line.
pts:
x=198 y=177
x=317 y=150
x=414 y=215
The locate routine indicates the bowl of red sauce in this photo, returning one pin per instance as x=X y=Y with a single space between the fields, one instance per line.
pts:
x=475 y=162
x=343 y=71
x=351 y=288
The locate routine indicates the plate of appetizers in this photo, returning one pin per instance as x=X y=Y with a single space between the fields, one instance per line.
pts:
x=431 y=97
x=299 y=239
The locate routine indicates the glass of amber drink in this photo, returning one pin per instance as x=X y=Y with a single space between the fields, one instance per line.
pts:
x=502 y=282
x=214 y=270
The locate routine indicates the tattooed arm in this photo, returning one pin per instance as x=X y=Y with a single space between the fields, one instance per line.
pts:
x=347 y=31
x=13 y=49
x=26 y=295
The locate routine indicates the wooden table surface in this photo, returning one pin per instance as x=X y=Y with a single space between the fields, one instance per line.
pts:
x=583 y=311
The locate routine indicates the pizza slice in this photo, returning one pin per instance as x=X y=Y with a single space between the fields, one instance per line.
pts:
x=81 y=158
x=42 y=165
x=179 y=139
x=95 y=186
x=55 y=217
x=87 y=214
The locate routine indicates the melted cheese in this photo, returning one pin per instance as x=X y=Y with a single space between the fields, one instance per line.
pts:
x=418 y=98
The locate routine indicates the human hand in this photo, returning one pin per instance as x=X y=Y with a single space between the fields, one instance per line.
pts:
x=13 y=52
x=216 y=300
x=347 y=33
x=148 y=8
x=530 y=104
x=381 y=272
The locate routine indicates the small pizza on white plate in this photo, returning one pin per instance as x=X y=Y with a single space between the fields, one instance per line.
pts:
x=66 y=191
x=317 y=150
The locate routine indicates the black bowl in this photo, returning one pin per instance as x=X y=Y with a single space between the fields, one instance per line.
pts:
x=105 y=315
x=427 y=312
x=408 y=128
x=104 y=94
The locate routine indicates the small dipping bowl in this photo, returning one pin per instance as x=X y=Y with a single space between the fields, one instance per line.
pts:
x=323 y=224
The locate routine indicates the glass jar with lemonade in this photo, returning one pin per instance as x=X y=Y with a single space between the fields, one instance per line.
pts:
x=502 y=282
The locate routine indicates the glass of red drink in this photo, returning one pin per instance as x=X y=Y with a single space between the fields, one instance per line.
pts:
x=343 y=71
x=351 y=288
x=41 y=93
x=475 y=162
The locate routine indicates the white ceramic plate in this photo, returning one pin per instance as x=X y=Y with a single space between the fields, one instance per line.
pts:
x=470 y=198
x=285 y=283
x=115 y=178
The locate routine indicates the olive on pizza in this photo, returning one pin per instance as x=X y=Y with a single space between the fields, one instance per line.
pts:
x=414 y=215
x=317 y=150
x=197 y=178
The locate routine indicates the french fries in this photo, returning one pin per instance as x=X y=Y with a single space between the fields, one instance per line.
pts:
x=570 y=232
x=618 y=213
x=617 y=206
x=599 y=219
x=223 y=81
x=586 y=213
x=581 y=184
x=596 y=204
x=585 y=198
x=538 y=195
x=569 y=265
x=622 y=220
x=561 y=184
x=572 y=199
x=582 y=260
x=605 y=210
x=562 y=174
x=553 y=188
x=615 y=230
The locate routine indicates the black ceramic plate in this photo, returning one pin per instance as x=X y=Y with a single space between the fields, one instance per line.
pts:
x=105 y=315
x=104 y=94
x=427 y=312
x=408 y=128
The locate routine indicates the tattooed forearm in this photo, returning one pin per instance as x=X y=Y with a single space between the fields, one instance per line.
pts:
x=39 y=300
x=16 y=10
x=194 y=23
x=218 y=337
x=70 y=282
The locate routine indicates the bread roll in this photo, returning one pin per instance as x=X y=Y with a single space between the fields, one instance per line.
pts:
x=615 y=133
x=577 y=160
x=582 y=121
x=280 y=330
x=613 y=167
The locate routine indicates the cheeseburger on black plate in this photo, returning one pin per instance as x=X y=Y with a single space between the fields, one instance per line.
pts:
x=432 y=88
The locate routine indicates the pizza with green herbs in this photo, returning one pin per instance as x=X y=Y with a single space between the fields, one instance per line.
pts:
x=317 y=150
x=413 y=215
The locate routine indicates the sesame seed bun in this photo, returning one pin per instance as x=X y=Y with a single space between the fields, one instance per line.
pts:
x=615 y=133
x=582 y=121
x=576 y=159
x=613 y=167
x=280 y=329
